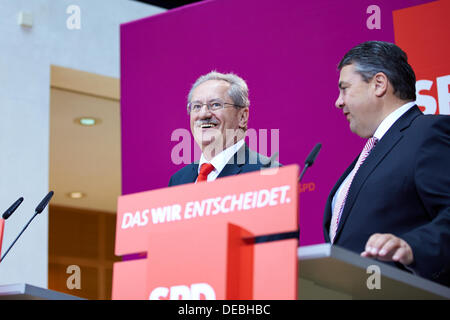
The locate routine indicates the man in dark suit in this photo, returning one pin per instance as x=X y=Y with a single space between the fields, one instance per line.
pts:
x=393 y=202
x=218 y=107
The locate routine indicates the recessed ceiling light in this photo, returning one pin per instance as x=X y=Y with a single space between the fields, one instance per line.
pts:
x=87 y=121
x=76 y=195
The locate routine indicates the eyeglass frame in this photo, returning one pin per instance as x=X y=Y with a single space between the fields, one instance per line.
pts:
x=209 y=106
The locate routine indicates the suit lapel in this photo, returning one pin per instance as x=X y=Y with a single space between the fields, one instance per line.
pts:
x=234 y=165
x=381 y=150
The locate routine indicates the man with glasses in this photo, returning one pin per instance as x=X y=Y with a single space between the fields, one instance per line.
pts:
x=218 y=107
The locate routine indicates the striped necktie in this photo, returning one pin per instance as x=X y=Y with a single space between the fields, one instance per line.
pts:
x=342 y=196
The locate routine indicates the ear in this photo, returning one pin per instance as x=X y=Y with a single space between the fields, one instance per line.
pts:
x=380 y=83
x=243 y=118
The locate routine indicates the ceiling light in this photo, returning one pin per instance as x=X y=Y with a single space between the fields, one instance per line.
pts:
x=87 y=121
x=76 y=195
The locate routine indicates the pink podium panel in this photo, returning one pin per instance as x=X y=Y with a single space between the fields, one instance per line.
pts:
x=197 y=241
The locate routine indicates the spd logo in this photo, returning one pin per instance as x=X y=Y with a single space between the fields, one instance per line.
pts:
x=427 y=51
x=428 y=101
x=197 y=291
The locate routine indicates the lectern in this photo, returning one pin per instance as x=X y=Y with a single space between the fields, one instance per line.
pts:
x=331 y=272
x=204 y=240
x=23 y=291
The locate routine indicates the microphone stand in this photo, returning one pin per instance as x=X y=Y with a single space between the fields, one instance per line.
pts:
x=26 y=226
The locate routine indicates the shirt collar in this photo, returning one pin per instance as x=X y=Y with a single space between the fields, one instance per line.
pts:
x=220 y=161
x=391 y=118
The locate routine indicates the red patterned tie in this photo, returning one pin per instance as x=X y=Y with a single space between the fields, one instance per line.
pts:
x=342 y=196
x=205 y=169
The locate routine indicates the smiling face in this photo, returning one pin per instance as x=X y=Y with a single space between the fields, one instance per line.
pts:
x=220 y=128
x=357 y=99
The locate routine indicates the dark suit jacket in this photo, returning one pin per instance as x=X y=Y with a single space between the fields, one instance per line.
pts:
x=243 y=161
x=403 y=188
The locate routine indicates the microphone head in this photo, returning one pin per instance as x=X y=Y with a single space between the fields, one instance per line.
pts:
x=13 y=208
x=41 y=206
x=313 y=155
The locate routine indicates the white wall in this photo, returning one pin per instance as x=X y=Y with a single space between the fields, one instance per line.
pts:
x=25 y=58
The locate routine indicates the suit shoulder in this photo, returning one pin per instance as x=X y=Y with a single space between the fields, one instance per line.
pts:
x=177 y=176
x=432 y=126
x=183 y=170
x=433 y=121
x=259 y=161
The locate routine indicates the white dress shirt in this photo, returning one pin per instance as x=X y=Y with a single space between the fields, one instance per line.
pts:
x=384 y=126
x=220 y=160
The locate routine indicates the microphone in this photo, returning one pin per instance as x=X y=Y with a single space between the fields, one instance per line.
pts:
x=41 y=206
x=310 y=159
x=13 y=208
x=5 y=216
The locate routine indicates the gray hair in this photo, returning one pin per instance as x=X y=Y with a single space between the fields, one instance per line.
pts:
x=238 y=91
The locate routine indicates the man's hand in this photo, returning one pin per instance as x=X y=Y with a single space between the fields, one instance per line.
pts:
x=387 y=247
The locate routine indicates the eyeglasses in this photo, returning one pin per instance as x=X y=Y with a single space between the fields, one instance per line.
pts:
x=212 y=105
